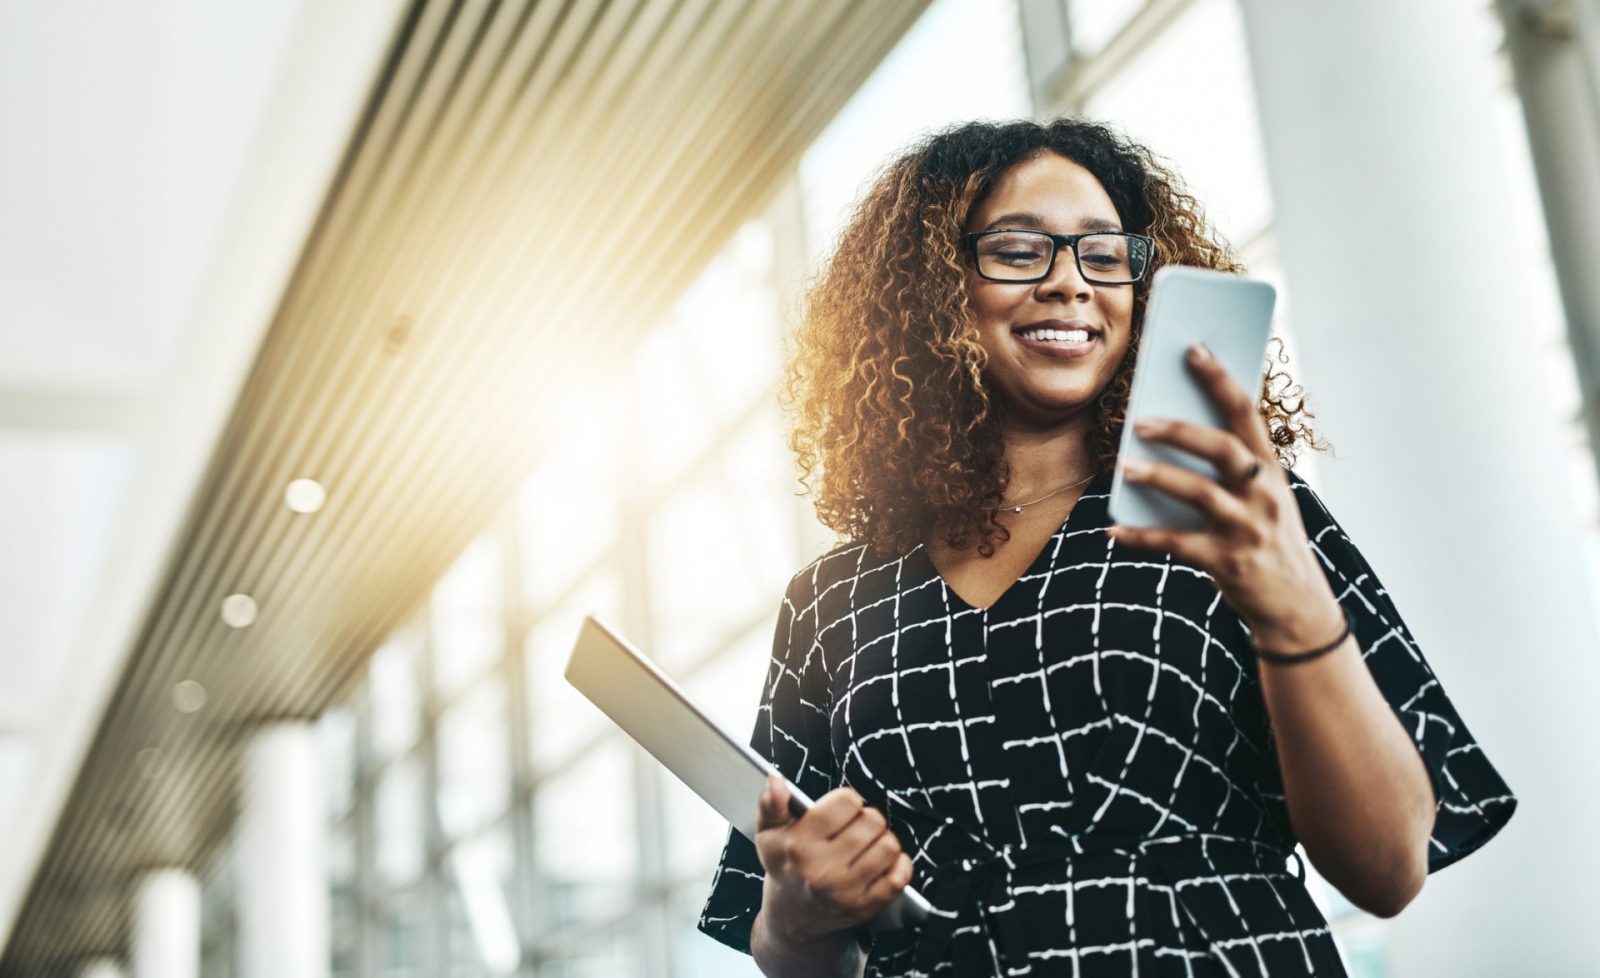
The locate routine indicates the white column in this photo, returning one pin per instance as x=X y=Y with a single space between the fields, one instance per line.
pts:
x=282 y=852
x=1390 y=199
x=102 y=968
x=166 y=925
x=1555 y=76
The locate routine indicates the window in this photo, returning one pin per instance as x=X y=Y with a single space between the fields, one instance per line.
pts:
x=474 y=760
x=560 y=719
x=400 y=833
x=481 y=932
x=468 y=617
x=395 y=696
x=586 y=840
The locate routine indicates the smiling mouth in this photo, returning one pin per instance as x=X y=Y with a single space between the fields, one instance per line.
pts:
x=1044 y=334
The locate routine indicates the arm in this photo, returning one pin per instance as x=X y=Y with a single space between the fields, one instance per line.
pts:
x=1355 y=785
x=835 y=955
x=1356 y=788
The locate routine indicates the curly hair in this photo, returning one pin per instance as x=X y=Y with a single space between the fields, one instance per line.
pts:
x=883 y=378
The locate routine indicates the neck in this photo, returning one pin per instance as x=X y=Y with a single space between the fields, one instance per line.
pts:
x=1041 y=461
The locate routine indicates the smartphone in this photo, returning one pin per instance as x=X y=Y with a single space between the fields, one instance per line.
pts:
x=1232 y=316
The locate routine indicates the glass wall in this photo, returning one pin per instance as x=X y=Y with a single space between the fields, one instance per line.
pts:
x=486 y=820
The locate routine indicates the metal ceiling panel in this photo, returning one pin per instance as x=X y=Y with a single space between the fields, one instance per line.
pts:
x=532 y=185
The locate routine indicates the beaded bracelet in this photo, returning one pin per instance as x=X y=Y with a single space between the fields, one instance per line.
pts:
x=1291 y=658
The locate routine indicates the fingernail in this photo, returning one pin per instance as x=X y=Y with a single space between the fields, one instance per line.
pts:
x=1133 y=469
x=1199 y=353
x=1146 y=427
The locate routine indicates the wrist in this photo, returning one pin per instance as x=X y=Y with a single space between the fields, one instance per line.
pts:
x=785 y=920
x=1307 y=627
x=780 y=945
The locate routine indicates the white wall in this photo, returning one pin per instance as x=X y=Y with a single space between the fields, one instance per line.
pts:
x=163 y=164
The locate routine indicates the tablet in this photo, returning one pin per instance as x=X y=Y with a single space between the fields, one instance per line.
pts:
x=722 y=769
x=1232 y=316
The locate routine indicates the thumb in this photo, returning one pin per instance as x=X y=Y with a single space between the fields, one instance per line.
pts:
x=774 y=811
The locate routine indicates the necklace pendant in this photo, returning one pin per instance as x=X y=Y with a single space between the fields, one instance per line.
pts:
x=1017 y=509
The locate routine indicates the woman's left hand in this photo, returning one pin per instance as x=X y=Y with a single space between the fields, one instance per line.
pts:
x=1254 y=545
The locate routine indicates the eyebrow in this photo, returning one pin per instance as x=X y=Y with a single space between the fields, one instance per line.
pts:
x=1023 y=217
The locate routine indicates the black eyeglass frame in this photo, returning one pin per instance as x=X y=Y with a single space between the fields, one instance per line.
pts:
x=1057 y=242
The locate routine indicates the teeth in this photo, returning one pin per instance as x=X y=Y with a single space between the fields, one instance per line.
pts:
x=1058 y=335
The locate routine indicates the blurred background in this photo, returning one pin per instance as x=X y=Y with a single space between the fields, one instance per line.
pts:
x=351 y=352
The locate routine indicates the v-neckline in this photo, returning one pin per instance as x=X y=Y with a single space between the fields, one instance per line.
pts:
x=932 y=568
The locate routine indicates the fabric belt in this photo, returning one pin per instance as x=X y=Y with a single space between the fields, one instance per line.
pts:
x=956 y=887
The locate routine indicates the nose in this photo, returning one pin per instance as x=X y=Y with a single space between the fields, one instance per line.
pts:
x=1065 y=281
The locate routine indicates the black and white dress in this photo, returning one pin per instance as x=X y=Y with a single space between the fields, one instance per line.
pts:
x=1083 y=772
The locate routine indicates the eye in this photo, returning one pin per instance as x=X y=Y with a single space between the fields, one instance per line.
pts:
x=1103 y=251
x=1014 y=248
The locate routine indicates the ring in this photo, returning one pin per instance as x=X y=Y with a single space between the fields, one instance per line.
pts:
x=1244 y=480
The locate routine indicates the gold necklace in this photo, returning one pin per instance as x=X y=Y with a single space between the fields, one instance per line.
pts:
x=1018 y=507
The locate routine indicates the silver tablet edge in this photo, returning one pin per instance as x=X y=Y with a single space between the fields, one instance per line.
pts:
x=895 y=914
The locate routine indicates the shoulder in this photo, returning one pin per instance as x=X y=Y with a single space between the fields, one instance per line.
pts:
x=1341 y=559
x=1298 y=483
x=837 y=565
x=1312 y=509
x=833 y=584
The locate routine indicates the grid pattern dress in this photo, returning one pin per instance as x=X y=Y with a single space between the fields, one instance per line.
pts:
x=1084 y=772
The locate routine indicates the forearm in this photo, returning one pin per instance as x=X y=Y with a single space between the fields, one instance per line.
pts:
x=836 y=955
x=1357 y=791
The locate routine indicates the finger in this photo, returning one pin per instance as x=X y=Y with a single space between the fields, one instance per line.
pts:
x=877 y=855
x=833 y=811
x=890 y=882
x=774 y=805
x=1202 y=493
x=868 y=824
x=839 y=867
x=1239 y=409
x=1226 y=452
x=1187 y=546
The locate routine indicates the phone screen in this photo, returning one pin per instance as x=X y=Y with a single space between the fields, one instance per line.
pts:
x=1232 y=316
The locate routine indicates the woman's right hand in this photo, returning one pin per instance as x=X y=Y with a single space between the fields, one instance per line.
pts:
x=831 y=869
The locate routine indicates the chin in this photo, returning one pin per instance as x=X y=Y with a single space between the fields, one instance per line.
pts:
x=1053 y=411
x=1067 y=399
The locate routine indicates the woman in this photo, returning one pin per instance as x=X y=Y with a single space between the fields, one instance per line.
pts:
x=1093 y=748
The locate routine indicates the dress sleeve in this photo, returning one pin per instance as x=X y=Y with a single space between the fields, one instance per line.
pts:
x=791 y=731
x=1473 y=801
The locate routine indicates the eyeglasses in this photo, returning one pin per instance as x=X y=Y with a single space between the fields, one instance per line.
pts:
x=1103 y=257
